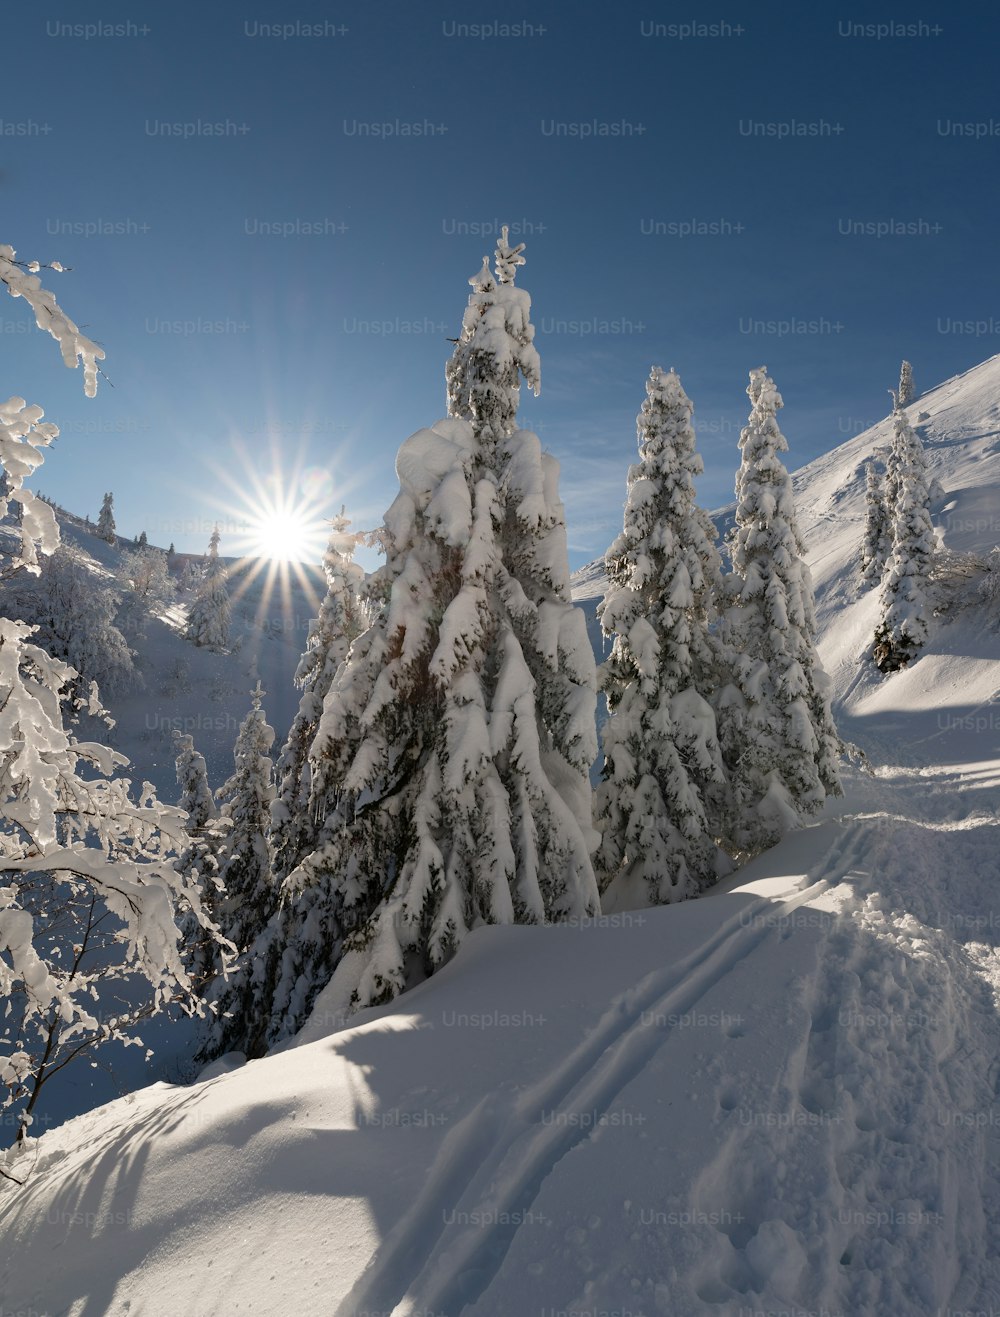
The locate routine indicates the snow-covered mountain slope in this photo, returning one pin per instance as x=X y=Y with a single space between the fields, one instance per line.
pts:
x=959 y=674
x=182 y=687
x=782 y=1097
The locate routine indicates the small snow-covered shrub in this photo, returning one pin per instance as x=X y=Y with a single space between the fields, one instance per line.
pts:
x=962 y=581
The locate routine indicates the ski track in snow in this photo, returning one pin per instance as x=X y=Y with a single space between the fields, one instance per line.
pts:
x=886 y=1068
x=514 y=1157
x=893 y=1160
x=898 y=1179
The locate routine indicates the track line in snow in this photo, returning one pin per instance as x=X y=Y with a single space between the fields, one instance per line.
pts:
x=893 y=1157
x=465 y=1228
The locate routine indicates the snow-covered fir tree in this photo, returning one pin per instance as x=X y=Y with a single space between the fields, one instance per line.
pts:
x=891 y=483
x=142 y=541
x=906 y=390
x=904 y=609
x=199 y=862
x=460 y=732
x=877 y=542
x=662 y=759
x=196 y=798
x=106 y=520
x=296 y=818
x=495 y=349
x=210 y=613
x=776 y=729
x=250 y=894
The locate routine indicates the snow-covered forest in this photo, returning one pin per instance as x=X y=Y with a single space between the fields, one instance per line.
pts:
x=612 y=941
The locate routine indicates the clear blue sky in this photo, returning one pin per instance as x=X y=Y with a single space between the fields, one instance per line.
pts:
x=246 y=360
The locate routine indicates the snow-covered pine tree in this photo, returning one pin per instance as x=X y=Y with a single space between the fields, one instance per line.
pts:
x=209 y=615
x=106 y=520
x=662 y=759
x=295 y=818
x=250 y=894
x=196 y=799
x=776 y=729
x=199 y=863
x=903 y=604
x=142 y=541
x=460 y=733
x=906 y=389
x=877 y=542
x=495 y=349
x=890 y=485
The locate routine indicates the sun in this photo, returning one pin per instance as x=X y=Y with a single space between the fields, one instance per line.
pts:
x=283 y=535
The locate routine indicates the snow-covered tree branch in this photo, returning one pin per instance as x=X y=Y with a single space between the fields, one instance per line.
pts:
x=89 y=891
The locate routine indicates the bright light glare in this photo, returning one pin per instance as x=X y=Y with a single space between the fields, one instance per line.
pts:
x=283 y=537
x=275 y=521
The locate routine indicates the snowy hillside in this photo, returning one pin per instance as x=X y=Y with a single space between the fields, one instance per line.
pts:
x=959 y=676
x=782 y=1097
x=194 y=690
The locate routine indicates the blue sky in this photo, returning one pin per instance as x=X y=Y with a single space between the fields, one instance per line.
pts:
x=274 y=279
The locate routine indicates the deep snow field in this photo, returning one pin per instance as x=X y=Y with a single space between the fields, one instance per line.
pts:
x=780 y=1098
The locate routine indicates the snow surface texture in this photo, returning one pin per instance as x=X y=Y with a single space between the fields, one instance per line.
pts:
x=780 y=1097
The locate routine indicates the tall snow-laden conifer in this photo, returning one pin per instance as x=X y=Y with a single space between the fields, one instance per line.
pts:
x=904 y=608
x=906 y=390
x=296 y=818
x=209 y=616
x=199 y=862
x=106 y=520
x=459 y=735
x=495 y=350
x=893 y=475
x=250 y=894
x=662 y=759
x=196 y=798
x=877 y=542
x=776 y=728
